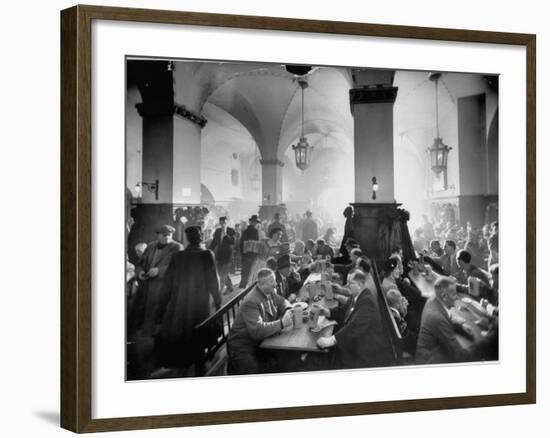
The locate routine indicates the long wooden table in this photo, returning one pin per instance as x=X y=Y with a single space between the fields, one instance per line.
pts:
x=302 y=339
x=467 y=308
x=298 y=339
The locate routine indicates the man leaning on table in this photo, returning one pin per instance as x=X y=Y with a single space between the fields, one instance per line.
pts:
x=437 y=341
x=262 y=313
x=360 y=341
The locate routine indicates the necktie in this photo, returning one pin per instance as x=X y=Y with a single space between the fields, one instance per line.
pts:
x=270 y=306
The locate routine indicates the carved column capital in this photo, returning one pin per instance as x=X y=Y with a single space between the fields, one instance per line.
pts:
x=158 y=108
x=272 y=163
x=190 y=115
x=372 y=94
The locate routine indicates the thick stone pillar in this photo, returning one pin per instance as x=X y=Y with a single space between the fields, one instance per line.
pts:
x=272 y=189
x=157 y=165
x=171 y=147
x=188 y=123
x=372 y=108
x=272 y=181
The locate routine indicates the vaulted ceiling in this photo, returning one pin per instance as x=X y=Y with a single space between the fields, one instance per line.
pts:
x=266 y=101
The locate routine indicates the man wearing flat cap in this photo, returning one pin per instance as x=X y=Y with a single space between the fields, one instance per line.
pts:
x=150 y=273
x=189 y=282
x=246 y=246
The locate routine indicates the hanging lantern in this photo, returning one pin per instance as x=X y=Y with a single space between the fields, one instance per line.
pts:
x=302 y=150
x=439 y=151
x=302 y=154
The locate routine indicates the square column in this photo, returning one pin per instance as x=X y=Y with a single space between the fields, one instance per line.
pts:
x=372 y=109
x=272 y=181
x=376 y=222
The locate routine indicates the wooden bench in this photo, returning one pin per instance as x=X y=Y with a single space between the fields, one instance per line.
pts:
x=388 y=321
x=212 y=335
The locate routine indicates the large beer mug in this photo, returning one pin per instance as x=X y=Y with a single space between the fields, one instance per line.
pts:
x=297 y=316
x=310 y=291
x=473 y=286
x=314 y=312
x=327 y=286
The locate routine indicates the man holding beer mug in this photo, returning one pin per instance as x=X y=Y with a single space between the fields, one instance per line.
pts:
x=262 y=313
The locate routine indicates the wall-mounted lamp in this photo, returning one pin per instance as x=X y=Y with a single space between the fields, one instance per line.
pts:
x=374 y=187
x=153 y=187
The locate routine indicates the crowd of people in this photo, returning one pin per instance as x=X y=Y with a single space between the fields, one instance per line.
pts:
x=173 y=286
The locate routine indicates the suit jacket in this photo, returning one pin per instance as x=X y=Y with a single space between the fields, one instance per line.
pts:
x=437 y=341
x=257 y=319
x=448 y=263
x=217 y=239
x=361 y=340
x=251 y=233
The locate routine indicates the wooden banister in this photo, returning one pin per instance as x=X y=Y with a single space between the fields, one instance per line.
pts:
x=213 y=331
x=387 y=318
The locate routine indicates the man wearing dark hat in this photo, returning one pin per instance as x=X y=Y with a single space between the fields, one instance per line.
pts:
x=288 y=280
x=248 y=254
x=150 y=273
x=222 y=246
x=189 y=283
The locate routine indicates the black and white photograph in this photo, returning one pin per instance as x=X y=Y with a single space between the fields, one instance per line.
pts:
x=285 y=218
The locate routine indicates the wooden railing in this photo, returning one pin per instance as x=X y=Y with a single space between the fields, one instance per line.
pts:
x=388 y=321
x=212 y=332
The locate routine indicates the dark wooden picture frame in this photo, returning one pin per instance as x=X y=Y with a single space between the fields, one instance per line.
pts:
x=76 y=217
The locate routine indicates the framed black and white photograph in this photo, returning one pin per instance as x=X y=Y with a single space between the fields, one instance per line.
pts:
x=317 y=209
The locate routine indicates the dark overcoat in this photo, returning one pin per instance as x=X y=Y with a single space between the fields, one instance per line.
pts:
x=361 y=341
x=148 y=296
x=189 y=282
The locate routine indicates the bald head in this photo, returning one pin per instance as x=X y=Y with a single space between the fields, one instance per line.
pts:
x=445 y=290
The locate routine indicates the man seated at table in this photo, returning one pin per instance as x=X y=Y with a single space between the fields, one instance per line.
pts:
x=392 y=280
x=399 y=308
x=262 y=313
x=448 y=261
x=359 y=341
x=288 y=279
x=435 y=248
x=323 y=249
x=437 y=339
x=349 y=244
x=355 y=255
x=469 y=270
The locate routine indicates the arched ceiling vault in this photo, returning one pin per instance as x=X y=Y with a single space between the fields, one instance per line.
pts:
x=266 y=100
